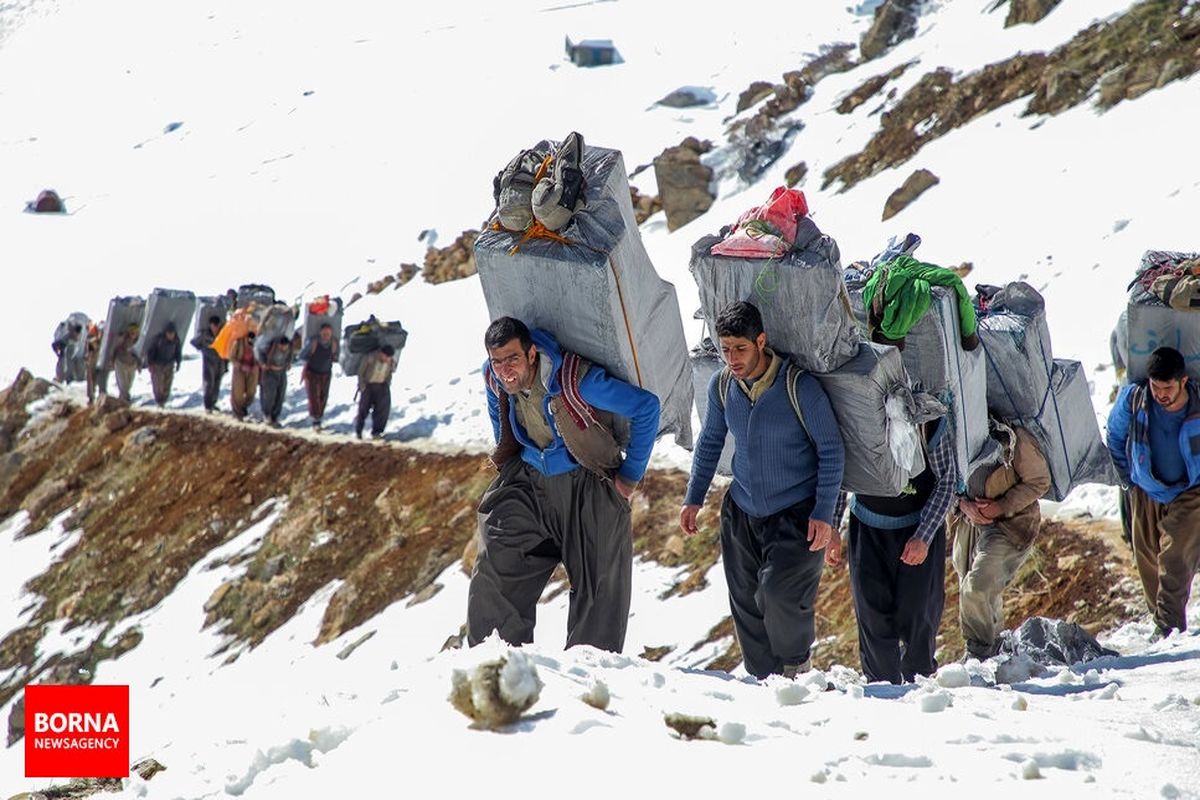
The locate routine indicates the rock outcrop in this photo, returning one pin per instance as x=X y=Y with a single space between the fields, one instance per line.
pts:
x=684 y=182
x=895 y=21
x=913 y=187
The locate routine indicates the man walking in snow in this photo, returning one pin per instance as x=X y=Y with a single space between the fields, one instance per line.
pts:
x=1154 y=439
x=213 y=365
x=993 y=530
x=777 y=515
x=375 y=390
x=319 y=355
x=562 y=495
x=125 y=362
x=163 y=357
x=272 y=389
x=244 y=382
x=896 y=549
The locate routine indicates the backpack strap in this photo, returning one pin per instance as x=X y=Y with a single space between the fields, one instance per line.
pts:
x=570 y=375
x=792 y=379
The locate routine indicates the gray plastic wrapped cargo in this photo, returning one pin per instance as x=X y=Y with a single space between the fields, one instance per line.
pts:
x=599 y=296
x=122 y=312
x=278 y=321
x=937 y=364
x=174 y=306
x=209 y=307
x=313 y=322
x=1149 y=324
x=72 y=364
x=1016 y=344
x=802 y=297
x=256 y=293
x=382 y=333
x=706 y=362
x=859 y=391
x=1068 y=433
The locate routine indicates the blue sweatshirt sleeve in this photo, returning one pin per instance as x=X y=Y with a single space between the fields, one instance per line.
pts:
x=709 y=446
x=601 y=390
x=827 y=440
x=493 y=403
x=1118 y=432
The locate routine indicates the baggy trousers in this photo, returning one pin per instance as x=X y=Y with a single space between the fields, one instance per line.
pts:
x=773 y=579
x=316 y=385
x=899 y=608
x=242 y=387
x=376 y=399
x=125 y=376
x=986 y=561
x=1166 y=548
x=271 y=392
x=161 y=378
x=528 y=524
x=214 y=369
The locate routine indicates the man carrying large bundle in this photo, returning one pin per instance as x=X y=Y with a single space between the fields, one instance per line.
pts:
x=1154 y=439
x=375 y=390
x=244 y=382
x=777 y=515
x=994 y=531
x=319 y=355
x=562 y=495
x=213 y=365
x=163 y=358
x=125 y=361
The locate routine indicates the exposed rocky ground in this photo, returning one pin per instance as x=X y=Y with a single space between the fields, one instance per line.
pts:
x=1154 y=43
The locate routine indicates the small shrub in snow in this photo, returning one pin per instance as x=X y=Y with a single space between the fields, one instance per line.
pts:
x=496 y=693
x=689 y=727
x=598 y=696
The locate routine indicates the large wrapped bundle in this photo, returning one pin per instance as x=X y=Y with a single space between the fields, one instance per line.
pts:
x=256 y=293
x=367 y=337
x=321 y=311
x=72 y=334
x=706 y=362
x=874 y=408
x=937 y=364
x=1068 y=434
x=801 y=295
x=211 y=306
x=597 y=293
x=1149 y=323
x=122 y=312
x=277 y=322
x=1016 y=343
x=165 y=307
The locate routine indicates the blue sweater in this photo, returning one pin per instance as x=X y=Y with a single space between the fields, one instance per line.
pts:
x=600 y=390
x=1129 y=441
x=775 y=463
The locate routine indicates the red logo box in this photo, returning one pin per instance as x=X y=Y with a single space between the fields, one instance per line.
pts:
x=76 y=731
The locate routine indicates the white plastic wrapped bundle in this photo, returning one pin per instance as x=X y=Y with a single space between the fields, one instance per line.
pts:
x=122 y=312
x=1016 y=343
x=278 y=322
x=1067 y=432
x=706 y=362
x=165 y=306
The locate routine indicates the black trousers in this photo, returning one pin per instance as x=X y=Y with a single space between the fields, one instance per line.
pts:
x=272 y=389
x=899 y=608
x=375 y=399
x=214 y=370
x=528 y=524
x=773 y=579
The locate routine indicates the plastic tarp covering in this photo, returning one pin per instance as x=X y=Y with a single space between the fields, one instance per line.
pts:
x=706 y=362
x=1052 y=643
x=1016 y=343
x=802 y=297
x=313 y=322
x=122 y=312
x=881 y=456
x=164 y=306
x=74 y=357
x=599 y=295
x=207 y=307
x=255 y=293
x=392 y=333
x=278 y=321
x=937 y=364
x=1149 y=324
x=1067 y=431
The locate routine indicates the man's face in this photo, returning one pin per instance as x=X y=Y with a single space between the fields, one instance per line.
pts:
x=513 y=366
x=170 y=336
x=1169 y=394
x=744 y=356
x=326 y=334
x=214 y=327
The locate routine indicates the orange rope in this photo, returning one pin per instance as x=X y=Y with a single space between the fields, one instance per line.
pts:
x=637 y=367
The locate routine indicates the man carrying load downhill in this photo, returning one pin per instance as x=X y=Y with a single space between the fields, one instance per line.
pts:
x=562 y=495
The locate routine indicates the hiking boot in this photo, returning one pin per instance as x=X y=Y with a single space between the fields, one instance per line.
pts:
x=358 y=435
x=513 y=189
x=790 y=671
x=559 y=195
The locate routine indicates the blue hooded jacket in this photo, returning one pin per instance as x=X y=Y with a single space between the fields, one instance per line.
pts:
x=599 y=389
x=1129 y=441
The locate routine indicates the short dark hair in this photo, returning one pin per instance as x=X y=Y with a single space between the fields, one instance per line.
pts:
x=740 y=319
x=504 y=330
x=1166 y=364
x=214 y=320
x=325 y=325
